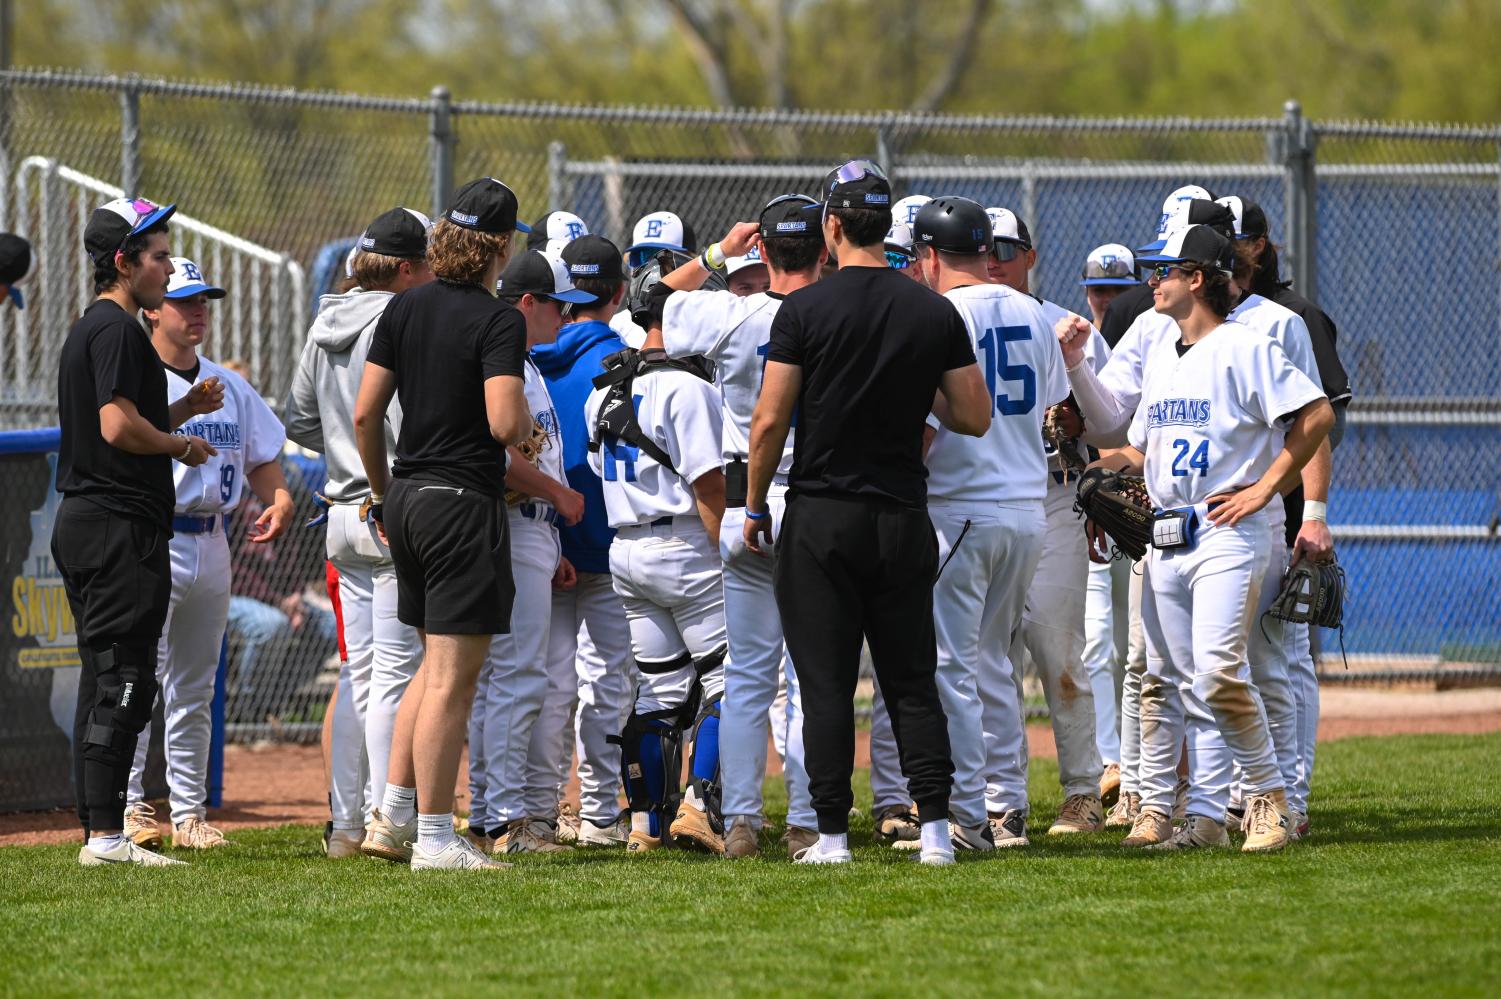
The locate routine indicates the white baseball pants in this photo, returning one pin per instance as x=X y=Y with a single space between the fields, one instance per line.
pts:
x=1107 y=625
x=1303 y=673
x=1136 y=668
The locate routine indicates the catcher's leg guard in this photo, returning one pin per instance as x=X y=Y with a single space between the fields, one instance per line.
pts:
x=703 y=764
x=651 y=760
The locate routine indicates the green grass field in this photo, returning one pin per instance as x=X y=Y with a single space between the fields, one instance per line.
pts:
x=1397 y=893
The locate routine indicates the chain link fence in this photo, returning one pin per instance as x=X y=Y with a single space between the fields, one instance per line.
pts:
x=1396 y=230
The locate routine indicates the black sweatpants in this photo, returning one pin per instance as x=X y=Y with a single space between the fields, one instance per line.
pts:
x=845 y=569
x=118 y=576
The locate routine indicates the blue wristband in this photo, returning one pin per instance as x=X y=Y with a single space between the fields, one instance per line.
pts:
x=758 y=516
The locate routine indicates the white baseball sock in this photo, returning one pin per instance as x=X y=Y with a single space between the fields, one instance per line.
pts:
x=935 y=835
x=104 y=844
x=833 y=842
x=400 y=804
x=435 y=832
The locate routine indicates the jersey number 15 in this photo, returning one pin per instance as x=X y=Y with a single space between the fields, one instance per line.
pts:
x=993 y=343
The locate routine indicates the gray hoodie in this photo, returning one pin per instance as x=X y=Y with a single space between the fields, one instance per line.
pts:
x=319 y=413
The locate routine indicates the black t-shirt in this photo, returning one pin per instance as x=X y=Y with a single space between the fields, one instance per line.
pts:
x=1321 y=331
x=107 y=353
x=443 y=341
x=873 y=345
x=1122 y=312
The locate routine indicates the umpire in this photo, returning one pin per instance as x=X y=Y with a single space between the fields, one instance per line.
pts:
x=860 y=355
x=109 y=540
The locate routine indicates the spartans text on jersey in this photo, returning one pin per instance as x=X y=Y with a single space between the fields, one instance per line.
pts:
x=1178 y=413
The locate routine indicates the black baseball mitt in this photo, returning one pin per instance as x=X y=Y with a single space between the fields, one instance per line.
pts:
x=1312 y=593
x=1120 y=506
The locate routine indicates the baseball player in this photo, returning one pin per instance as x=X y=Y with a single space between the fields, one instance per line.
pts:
x=249 y=440
x=1053 y=622
x=747 y=274
x=985 y=497
x=1133 y=302
x=733 y=332
x=589 y=638
x=514 y=683
x=654 y=234
x=655 y=432
x=1209 y=438
x=554 y=231
x=381 y=653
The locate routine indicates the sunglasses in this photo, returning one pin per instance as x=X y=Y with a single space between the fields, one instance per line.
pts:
x=898 y=260
x=1162 y=271
x=1006 y=252
x=1110 y=267
x=857 y=169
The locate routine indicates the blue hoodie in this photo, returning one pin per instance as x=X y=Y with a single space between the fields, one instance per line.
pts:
x=569 y=366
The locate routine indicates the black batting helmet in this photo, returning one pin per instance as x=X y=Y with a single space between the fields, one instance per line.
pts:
x=953 y=225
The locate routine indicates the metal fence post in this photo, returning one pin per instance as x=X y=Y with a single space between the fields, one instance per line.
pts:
x=440 y=143
x=883 y=155
x=130 y=139
x=1302 y=200
x=557 y=180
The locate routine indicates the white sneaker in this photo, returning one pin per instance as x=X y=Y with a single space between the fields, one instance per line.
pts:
x=815 y=854
x=126 y=853
x=458 y=855
x=610 y=834
x=937 y=857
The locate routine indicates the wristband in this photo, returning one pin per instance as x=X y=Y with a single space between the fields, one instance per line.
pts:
x=187 y=450
x=1316 y=510
x=713 y=258
x=758 y=516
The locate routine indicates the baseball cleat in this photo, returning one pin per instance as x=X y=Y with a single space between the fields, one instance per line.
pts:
x=896 y=824
x=1081 y=813
x=691 y=830
x=458 y=855
x=815 y=854
x=141 y=827
x=480 y=840
x=531 y=836
x=610 y=834
x=1197 y=832
x=797 y=839
x=641 y=842
x=1152 y=826
x=342 y=844
x=1298 y=821
x=126 y=852
x=568 y=823
x=1266 y=822
x=386 y=840
x=970 y=837
x=1235 y=817
x=1124 y=811
x=1110 y=785
x=1009 y=829
x=740 y=840
x=193 y=833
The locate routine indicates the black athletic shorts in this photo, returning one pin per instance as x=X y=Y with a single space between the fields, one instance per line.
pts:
x=453 y=558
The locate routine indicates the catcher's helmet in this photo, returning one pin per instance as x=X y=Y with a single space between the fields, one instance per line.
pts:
x=954 y=225
x=649 y=275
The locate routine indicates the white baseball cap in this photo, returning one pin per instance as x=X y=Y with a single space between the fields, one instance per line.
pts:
x=902 y=214
x=1110 y=264
x=1174 y=212
x=733 y=264
x=556 y=230
x=658 y=231
x=187 y=281
x=1009 y=228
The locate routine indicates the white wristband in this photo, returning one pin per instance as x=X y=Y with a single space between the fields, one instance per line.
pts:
x=1316 y=510
x=187 y=449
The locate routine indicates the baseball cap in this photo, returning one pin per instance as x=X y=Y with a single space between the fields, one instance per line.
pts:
x=592 y=256
x=899 y=236
x=1009 y=228
x=857 y=184
x=555 y=230
x=1171 y=205
x=400 y=232
x=1250 y=220
x=791 y=215
x=112 y=224
x=658 y=231
x=485 y=205
x=537 y=272
x=733 y=264
x=1198 y=244
x=1185 y=214
x=1110 y=264
x=15 y=265
x=187 y=281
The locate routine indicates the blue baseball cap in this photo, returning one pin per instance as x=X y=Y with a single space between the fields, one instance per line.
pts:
x=187 y=281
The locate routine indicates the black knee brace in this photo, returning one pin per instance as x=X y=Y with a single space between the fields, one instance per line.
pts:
x=125 y=692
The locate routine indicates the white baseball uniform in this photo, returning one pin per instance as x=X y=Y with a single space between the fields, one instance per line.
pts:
x=1211 y=421
x=985 y=499
x=512 y=762
x=247 y=435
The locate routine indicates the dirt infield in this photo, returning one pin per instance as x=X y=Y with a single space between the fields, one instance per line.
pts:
x=274 y=784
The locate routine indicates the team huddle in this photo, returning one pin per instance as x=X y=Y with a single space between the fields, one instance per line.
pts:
x=641 y=508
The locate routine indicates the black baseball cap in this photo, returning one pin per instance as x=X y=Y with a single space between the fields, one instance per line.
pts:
x=857 y=184
x=953 y=225
x=593 y=257
x=1250 y=220
x=536 y=272
x=1198 y=244
x=112 y=224
x=15 y=264
x=792 y=216
x=485 y=205
x=1196 y=212
x=400 y=232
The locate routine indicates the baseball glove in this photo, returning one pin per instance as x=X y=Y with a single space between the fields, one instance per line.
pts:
x=1120 y=506
x=1312 y=593
x=531 y=449
x=1070 y=461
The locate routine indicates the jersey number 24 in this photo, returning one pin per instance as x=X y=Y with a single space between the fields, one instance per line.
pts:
x=1198 y=459
x=993 y=343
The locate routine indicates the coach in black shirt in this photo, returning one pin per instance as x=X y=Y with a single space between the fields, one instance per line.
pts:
x=861 y=355
x=114 y=469
x=453 y=352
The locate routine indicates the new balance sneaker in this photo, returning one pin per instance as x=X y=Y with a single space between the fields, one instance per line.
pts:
x=1123 y=813
x=458 y=855
x=193 y=833
x=816 y=854
x=386 y=840
x=342 y=844
x=970 y=838
x=480 y=840
x=641 y=842
x=1110 y=785
x=1151 y=826
x=691 y=830
x=896 y=824
x=740 y=840
x=1266 y=822
x=797 y=839
x=125 y=852
x=610 y=834
x=141 y=827
x=532 y=836
x=1081 y=813
x=568 y=823
x=1196 y=832
x=1009 y=829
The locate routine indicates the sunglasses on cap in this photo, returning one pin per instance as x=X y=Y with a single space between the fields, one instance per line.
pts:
x=1112 y=267
x=1006 y=252
x=858 y=169
x=898 y=260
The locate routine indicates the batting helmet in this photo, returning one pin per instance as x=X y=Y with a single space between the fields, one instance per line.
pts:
x=954 y=225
